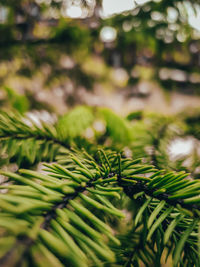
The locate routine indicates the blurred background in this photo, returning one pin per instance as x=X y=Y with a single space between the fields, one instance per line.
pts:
x=127 y=55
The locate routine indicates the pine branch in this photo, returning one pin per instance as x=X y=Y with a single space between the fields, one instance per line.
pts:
x=166 y=196
x=56 y=193
x=17 y=127
x=24 y=140
x=26 y=241
x=60 y=218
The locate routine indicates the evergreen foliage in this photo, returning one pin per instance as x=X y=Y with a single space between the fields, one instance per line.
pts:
x=155 y=41
x=113 y=198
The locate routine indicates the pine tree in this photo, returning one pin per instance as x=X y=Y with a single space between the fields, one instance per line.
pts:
x=112 y=197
